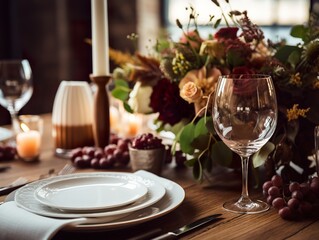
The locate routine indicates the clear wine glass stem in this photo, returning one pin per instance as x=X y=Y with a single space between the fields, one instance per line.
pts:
x=14 y=120
x=244 y=166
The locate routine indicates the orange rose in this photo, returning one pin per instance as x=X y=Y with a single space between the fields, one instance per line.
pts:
x=190 y=92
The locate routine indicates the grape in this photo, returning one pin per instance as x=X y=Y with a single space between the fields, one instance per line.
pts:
x=146 y=141
x=95 y=163
x=276 y=181
x=274 y=191
x=125 y=159
x=285 y=213
x=304 y=188
x=297 y=194
x=98 y=154
x=90 y=151
x=294 y=186
x=314 y=186
x=278 y=203
x=267 y=185
x=82 y=162
x=109 y=149
x=299 y=200
x=270 y=199
x=122 y=145
x=305 y=208
x=293 y=203
x=107 y=162
x=77 y=152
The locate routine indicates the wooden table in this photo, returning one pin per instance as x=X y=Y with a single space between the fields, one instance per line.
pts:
x=200 y=201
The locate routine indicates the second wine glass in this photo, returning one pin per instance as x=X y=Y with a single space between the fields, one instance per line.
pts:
x=15 y=86
x=245 y=117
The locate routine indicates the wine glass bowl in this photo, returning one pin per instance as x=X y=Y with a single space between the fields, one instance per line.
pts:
x=245 y=117
x=15 y=85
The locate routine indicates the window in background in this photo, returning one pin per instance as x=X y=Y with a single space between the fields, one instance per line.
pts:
x=275 y=17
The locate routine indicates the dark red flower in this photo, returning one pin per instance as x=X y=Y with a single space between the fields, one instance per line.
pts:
x=166 y=101
x=242 y=70
x=226 y=33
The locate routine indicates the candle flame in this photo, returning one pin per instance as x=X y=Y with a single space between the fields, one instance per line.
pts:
x=24 y=127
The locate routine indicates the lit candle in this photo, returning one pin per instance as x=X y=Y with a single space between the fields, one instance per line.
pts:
x=100 y=45
x=28 y=144
x=132 y=125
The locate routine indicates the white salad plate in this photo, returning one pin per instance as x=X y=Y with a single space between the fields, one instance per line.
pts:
x=5 y=134
x=25 y=196
x=90 y=193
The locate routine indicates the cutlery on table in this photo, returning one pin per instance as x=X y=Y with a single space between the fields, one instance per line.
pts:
x=4 y=168
x=175 y=234
x=20 y=182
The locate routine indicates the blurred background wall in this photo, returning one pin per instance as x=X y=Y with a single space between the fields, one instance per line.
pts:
x=51 y=35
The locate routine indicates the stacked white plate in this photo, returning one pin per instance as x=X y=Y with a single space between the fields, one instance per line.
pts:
x=107 y=200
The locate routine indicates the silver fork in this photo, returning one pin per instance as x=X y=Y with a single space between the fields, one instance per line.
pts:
x=67 y=169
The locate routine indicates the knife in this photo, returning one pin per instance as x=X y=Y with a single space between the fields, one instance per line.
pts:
x=180 y=231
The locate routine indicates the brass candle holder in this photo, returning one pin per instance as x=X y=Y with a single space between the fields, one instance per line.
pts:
x=101 y=112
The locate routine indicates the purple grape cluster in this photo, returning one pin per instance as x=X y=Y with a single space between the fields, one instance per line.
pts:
x=7 y=152
x=113 y=155
x=147 y=141
x=293 y=200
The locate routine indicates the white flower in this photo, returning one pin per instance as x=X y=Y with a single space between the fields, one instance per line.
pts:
x=140 y=98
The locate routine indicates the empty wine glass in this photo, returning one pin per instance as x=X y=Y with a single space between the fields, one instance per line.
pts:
x=15 y=86
x=245 y=117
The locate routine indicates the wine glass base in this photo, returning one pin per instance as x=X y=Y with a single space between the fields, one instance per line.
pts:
x=250 y=207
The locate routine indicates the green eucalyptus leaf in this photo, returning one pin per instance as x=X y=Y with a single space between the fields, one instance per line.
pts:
x=127 y=107
x=121 y=83
x=221 y=154
x=201 y=135
x=191 y=162
x=294 y=58
x=198 y=171
x=120 y=93
x=200 y=142
x=284 y=52
x=261 y=156
x=200 y=128
x=206 y=161
x=186 y=138
x=299 y=31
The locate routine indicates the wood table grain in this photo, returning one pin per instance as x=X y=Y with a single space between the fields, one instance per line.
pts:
x=201 y=200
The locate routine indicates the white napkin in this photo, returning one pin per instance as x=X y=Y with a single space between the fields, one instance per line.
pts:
x=26 y=225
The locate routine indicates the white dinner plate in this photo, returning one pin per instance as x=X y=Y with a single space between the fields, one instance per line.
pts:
x=174 y=196
x=90 y=193
x=5 y=134
x=25 y=198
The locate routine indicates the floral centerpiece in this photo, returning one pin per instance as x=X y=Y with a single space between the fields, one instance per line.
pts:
x=178 y=78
